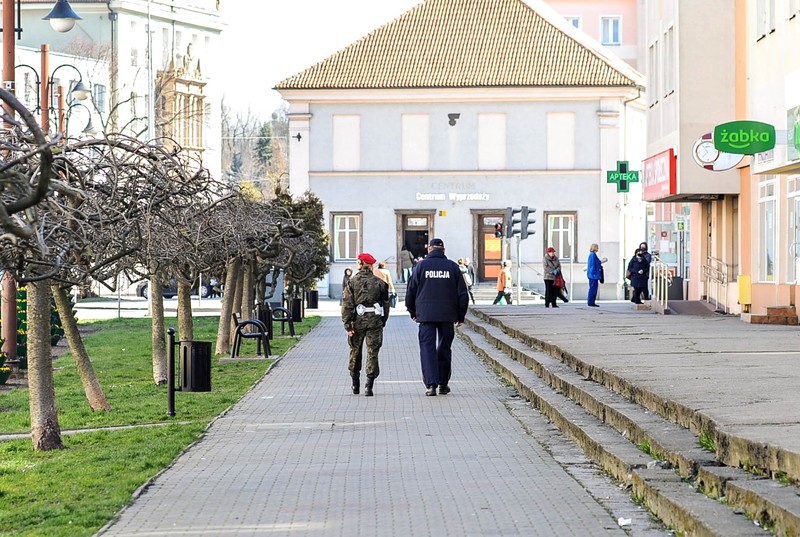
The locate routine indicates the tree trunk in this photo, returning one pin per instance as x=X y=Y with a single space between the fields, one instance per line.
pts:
x=226 y=307
x=237 y=296
x=185 y=326
x=91 y=386
x=248 y=295
x=45 y=432
x=158 y=331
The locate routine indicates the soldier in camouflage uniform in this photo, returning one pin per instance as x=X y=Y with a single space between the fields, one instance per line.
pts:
x=365 y=309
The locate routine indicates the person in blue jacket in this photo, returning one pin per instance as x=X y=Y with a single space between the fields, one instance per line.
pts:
x=437 y=299
x=593 y=269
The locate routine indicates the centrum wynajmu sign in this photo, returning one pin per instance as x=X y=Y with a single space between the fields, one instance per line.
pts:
x=744 y=137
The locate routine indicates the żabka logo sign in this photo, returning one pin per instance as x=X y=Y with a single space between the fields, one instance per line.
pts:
x=744 y=137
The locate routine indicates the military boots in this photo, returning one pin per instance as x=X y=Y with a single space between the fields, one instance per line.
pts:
x=356 y=385
x=368 y=386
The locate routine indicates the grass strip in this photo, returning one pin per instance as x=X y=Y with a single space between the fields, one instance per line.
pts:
x=76 y=490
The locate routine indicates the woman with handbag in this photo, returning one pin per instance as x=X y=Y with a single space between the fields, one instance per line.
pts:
x=638 y=273
x=552 y=268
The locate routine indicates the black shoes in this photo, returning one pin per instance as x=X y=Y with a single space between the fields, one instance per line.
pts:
x=594 y=305
x=356 y=385
x=444 y=389
x=431 y=390
x=368 y=387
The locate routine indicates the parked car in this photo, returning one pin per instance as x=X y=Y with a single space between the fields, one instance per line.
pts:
x=171 y=289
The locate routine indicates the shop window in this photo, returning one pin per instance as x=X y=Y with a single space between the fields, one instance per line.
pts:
x=416 y=141
x=766 y=231
x=611 y=30
x=561 y=232
x=793 y=206
x=491 y=141
x=346 y=236
x=560 y=141
x=346 y=143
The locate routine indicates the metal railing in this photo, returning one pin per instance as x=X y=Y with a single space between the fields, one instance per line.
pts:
x=662 y=280
x=717 y=275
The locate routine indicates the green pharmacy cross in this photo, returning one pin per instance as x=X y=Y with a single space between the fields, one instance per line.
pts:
x=622 y=176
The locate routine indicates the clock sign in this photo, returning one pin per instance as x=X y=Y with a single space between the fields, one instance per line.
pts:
x=709 y=157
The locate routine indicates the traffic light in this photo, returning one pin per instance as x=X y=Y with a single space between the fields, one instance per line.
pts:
x=498 y=230
x=512 y=219
x=527 y=220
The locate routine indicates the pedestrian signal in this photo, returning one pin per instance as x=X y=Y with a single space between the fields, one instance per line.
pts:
x=498 y=230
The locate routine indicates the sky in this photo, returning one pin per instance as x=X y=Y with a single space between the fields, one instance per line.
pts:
x=269 y=40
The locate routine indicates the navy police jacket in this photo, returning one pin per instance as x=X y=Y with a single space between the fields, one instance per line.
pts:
x=436 y=292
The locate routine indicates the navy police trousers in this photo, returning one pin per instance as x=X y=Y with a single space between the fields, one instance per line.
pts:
x=435 y=340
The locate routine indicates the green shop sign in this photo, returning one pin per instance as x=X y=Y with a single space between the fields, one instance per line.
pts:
x=744 y=137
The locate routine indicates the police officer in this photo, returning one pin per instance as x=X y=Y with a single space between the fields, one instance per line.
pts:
x=436 y=298
x=365 y=309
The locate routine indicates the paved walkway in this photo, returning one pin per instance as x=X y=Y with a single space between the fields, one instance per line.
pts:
x=301 y=455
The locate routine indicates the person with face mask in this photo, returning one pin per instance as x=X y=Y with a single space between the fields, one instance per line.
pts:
x=638 y=273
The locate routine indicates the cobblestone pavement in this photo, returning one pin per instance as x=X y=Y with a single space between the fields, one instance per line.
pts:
x=301 y=455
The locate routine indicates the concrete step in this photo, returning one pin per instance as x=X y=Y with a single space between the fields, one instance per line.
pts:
x=661 y=460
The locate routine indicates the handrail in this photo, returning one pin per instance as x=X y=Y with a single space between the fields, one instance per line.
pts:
x=717 y=272
x=662 y=280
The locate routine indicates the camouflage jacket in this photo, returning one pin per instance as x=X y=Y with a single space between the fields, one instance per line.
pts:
x=367 y=289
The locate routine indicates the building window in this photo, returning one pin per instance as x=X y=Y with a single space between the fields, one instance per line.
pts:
x=793 y=206
x=416 y=141
x=560 y=141
x=653 y=90
x=346 y=143
x=560 y=232
x=766 y=233
x=669 y=62
x=99 y=95
x=574 y=20
x=611 y=30
x=346 y=236
x=491 y=141
x=765 y=18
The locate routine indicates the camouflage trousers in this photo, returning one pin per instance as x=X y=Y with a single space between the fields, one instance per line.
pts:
x=373 y=337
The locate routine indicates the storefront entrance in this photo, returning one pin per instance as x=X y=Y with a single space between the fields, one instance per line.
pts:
x=415 y=233
x=490 y=248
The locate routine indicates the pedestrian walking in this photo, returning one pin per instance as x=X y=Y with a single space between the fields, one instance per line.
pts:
x=638 y=272
x=437 y=299
x=462 y=266
x=594 y=270
x=365 y=310
x=552 y=268
x=649 y=258
x=383 y=273
x=345 y=279
x=504 y=284
x=406 y=263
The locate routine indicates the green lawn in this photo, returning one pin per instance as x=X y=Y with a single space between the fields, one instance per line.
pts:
x=76 y=490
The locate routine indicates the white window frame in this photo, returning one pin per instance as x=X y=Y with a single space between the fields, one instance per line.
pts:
x=653 y=80
x=793 y=229
x=765 y=18
x=670 y=68
x=345 y=236
x=561 y=233
x=609 y=25
x=767 y=230
x=416 y=141
x=491 y=141
x=346 y=142
x=560 y=142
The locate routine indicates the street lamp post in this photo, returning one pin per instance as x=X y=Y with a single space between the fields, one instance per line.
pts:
x=8 y=297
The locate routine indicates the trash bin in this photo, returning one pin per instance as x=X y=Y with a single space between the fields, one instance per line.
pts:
x=312 y=301
x=297 y=310
x=195 y=366
x=265 y=316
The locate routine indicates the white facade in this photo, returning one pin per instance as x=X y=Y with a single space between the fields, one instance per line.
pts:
x=547 y=149
x=179 y=31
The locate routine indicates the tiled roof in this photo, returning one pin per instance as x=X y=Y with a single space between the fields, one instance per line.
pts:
x=468 y=44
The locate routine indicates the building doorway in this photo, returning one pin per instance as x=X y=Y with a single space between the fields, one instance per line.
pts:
x=490 y=248
x=415 y=234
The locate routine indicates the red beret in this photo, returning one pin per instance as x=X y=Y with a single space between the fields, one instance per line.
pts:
x=367 y=258
x=551 y=250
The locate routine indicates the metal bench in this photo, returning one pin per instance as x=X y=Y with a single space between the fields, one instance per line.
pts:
x=250 y=329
